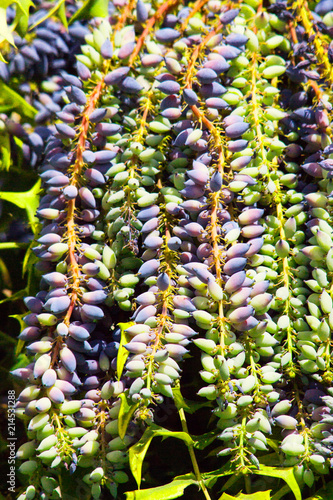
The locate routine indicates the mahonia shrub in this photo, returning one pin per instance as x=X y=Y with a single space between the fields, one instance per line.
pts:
x=179 y=259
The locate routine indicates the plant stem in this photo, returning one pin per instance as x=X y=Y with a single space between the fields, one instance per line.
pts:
x=193 y=457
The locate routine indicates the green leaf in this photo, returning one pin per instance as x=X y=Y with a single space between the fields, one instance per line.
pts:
x=125 y=414
x=325 y=493
x=210 y=478
x=21 y=360
x=175 y=489
x=91 y=8
x=62 y=15
x=60 y=6
x=179 y=400
x=273 y=443
x=232 y=480
x=201 y=442
x=160 y=431
x=186 y=404
x=16 y=296
x=122 y=351
x=22 y=16
x=285 y=473
x=260 y=495
x=9 y=99
x=5 y=151
x=28 y=200
x=20 y=343
x=29 y=260
x=138 y=451
x=5 y=31
x=4 y=337
x=137 y=454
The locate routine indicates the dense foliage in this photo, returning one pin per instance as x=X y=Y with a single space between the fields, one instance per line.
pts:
x=170 y=168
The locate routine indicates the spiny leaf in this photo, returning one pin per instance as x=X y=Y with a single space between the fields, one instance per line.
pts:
x=201 y=442
x=325 y=493
x=28 y=200
x=5 y=152
x=21 y=20
x=260 y=495
x=62 y=14
x=11 y=244
x=210 y=478
x=122 y=351
x=273 y=443
x=21 y=360
x=138 y=451
x=175 y=489
x=5 y=31
x=125 y=414
x=20 y=343
x=16 y=296
x=12 y=100
x=187 y=405
x=285 y=473
x=60 y=7
x=179 y=400
x=6 y=338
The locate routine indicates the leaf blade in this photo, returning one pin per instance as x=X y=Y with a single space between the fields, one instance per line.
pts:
x=325 y=493
x=138 y=451
x=91 y=8
x=123 y=353
x=125 y=414
x=166 y=492
x=285 y=473
x=27 y=200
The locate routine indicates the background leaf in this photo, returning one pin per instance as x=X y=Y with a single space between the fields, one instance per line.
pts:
x=28 y=200
x=188 y=406
x=138 y=452
x=285 y=473
x=171 y=490
x=21 y=20
x=5 y=30
x=5 y=152
x=260 y=495
x=210 y=478
x=201 y=442
x=325 y=493
x=60 y=7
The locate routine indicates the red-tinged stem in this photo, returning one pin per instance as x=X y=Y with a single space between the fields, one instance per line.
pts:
x=74 y=268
